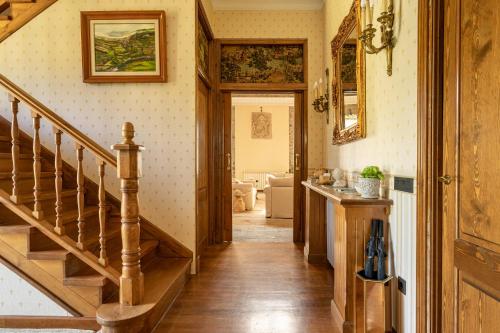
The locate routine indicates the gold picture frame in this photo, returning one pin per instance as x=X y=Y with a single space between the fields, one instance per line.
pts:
x=124 y=46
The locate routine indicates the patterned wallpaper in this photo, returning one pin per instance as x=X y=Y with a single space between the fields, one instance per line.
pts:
x=391 y=138
x=391 y=101
x=284 y=24
x=18 y=297
x=44 y=58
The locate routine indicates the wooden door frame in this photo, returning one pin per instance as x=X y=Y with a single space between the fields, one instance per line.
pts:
x=301 y=125
x=208 y=81
x=218 y=133
x=430 y=148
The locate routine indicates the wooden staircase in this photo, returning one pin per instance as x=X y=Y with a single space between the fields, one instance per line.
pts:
x=14 y=14
x=86 y=249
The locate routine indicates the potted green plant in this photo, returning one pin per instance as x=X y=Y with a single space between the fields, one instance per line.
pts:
x=368 y=184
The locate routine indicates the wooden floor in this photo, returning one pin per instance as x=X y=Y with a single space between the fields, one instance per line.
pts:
x=254 y=288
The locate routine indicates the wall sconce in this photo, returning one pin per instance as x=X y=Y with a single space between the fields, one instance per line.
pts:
x=386 y=20
x=321 y=100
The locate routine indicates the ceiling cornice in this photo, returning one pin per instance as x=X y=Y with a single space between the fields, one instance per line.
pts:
x=267 y=4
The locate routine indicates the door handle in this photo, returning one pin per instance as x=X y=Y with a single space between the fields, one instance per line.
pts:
x=297 y=162
x=446 y=179
x=228 y=167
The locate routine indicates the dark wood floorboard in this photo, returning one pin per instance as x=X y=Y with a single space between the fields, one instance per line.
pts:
x=254 y=288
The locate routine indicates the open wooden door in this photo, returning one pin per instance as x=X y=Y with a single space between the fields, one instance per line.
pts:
x=471 y=180
x=227 y=197
x=300 y=173
x=202 y=167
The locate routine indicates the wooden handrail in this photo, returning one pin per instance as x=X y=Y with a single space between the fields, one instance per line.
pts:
x=58 y=122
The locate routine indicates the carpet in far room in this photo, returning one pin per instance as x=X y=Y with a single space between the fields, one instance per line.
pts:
x=253 y=226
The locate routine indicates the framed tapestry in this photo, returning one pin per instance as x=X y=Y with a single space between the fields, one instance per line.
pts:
x=263 y=63
x=203 y=51
x=124 y=47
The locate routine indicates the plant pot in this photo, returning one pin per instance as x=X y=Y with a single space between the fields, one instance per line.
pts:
x=368 y=187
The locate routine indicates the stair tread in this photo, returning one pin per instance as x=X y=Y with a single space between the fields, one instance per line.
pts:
x=93 y=280
x=45 y=195
x=162 y=278
x=15 y=229
x=147 y=247
x=48 y=255
x=161 y=275
x=4 y=138
x=25 y=175
x=72 y=215
x=112 y=231
x=21 y=156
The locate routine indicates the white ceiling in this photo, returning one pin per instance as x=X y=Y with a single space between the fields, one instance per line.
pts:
x=267 y=4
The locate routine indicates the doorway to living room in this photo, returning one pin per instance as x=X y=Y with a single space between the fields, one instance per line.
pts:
x=262 y=150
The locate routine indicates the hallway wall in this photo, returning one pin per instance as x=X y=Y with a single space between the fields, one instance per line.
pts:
x=391 y=142
x=44 y=58
x=284 y=24
x=391 y=101
x=268 y=155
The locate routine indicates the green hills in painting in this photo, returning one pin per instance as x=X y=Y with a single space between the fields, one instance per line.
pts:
x=126 y=52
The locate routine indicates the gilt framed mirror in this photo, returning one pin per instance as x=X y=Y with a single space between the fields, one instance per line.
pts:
x=348 y=83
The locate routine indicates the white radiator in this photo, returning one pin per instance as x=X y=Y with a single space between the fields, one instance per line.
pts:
x=259 y=177
x=402 y=254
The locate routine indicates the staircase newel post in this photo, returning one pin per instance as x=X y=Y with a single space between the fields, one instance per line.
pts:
x=129 y=171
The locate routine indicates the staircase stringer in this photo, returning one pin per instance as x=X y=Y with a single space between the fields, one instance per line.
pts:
x=63 y=241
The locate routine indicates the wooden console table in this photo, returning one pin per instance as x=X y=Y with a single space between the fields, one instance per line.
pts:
x=351 y=230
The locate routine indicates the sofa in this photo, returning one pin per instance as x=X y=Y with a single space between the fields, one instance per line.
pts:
x=279 y=197
x=249 y=191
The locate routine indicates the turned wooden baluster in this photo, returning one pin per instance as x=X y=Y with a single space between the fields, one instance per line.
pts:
x=59 y=228
x=129 y=172
x=103 y=257
x=37 y=166
x=15 y=147
x=80 y=180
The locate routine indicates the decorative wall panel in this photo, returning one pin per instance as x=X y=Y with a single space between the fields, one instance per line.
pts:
x=203 y=60
x=262 y=64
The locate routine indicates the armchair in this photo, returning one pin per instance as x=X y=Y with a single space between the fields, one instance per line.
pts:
x=279 y=197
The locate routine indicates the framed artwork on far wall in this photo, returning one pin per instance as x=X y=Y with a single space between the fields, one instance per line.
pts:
x=124 y=46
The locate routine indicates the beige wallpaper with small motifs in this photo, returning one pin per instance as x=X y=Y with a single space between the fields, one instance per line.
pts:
x=391 y=140
x=284 y=24
x=44 y=58
x=18 y=297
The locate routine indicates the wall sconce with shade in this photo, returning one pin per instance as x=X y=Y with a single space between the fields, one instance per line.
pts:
x=321 y=96
x=386 y=20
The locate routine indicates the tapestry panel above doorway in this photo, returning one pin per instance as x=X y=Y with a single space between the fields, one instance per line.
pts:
x=262 y=63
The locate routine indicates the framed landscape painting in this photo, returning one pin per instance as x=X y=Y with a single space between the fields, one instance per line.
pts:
x=124 y=47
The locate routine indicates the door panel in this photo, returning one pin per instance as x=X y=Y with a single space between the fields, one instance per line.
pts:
x=202 y=169
x=227 y=169
x=471 y=210
x=298 y=205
